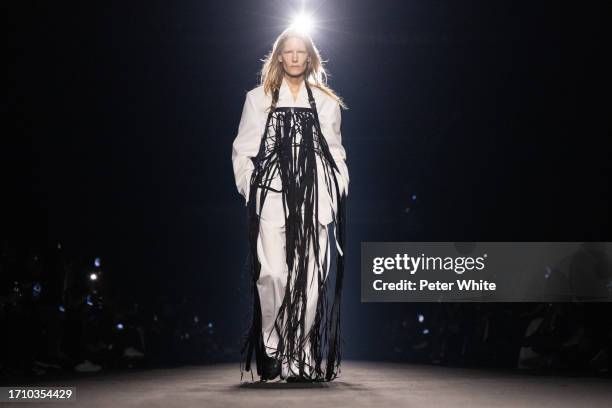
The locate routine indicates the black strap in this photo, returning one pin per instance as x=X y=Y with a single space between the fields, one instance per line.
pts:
x=313 y=105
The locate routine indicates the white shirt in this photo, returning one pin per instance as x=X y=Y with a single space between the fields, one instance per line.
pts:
x=250 y=132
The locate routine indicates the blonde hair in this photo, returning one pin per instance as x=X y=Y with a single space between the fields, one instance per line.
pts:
x=272 y=72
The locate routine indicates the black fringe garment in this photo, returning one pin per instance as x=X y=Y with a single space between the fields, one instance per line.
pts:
x=286 y=128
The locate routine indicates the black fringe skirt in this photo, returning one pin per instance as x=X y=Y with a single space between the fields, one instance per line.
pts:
x=290 y=147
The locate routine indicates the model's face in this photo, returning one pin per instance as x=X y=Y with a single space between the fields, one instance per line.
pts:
x=294 y=56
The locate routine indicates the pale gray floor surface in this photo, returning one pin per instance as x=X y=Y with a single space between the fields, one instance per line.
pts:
x=360 y=384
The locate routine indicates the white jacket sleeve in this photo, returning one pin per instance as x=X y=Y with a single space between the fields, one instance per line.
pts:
x=331 y=131
x=245 y=146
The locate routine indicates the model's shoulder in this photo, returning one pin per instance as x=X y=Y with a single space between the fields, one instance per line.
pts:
x=257 y=93
x=324 y=99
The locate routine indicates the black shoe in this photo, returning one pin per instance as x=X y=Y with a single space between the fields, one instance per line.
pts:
x=297 y=379
x=271 y=368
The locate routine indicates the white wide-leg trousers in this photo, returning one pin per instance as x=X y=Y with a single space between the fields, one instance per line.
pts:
x=272 y=283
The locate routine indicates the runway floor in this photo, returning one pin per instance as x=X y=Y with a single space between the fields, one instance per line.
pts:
x=360 y=384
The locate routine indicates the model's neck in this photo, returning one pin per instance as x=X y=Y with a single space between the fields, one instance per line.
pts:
x=294 y=81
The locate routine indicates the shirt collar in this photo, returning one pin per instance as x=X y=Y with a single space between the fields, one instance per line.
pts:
x=285 y=97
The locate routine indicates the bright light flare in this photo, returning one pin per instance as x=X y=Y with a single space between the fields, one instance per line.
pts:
x=303 y=23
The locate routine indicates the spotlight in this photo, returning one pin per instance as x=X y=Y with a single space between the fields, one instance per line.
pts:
x=93 y=277
x=303 y=22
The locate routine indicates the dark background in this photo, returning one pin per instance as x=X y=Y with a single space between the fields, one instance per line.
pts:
x=120 y=118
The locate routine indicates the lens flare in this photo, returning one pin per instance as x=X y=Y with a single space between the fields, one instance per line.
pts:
x=303 y=22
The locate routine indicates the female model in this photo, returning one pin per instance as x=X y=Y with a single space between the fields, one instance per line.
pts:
x=289 y=165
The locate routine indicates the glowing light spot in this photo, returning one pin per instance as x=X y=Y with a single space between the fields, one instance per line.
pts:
x=303 y=23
